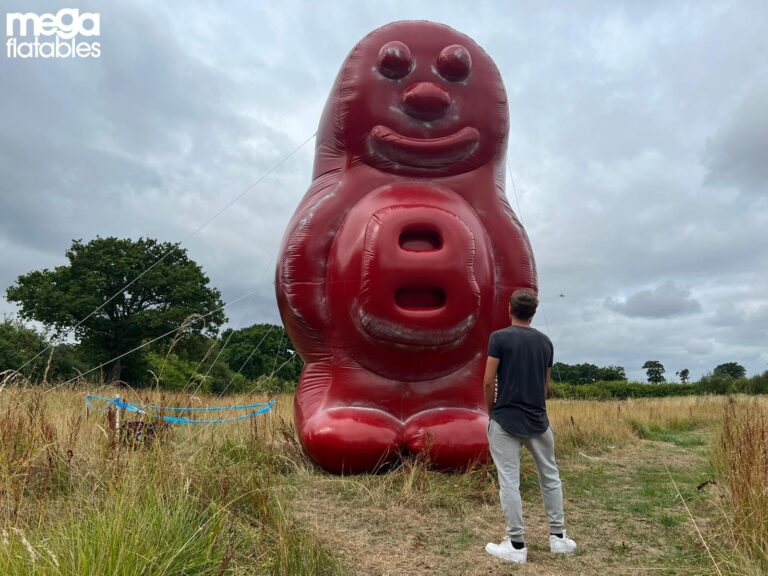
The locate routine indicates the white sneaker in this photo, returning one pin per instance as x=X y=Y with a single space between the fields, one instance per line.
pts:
x=562 y=545
x=507 y=552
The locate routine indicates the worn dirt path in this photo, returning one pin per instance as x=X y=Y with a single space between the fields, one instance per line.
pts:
x=621 y=507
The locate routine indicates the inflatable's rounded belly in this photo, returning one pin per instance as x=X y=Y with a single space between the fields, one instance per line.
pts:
x=410 y=280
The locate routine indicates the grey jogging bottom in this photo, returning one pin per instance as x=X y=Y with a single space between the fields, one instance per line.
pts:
x=505 y=450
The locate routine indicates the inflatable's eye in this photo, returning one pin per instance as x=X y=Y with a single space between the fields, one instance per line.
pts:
x=395 y=60
x=454 y=63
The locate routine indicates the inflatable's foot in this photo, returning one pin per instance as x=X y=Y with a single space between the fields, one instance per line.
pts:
x=351 y=440
x=448 y=438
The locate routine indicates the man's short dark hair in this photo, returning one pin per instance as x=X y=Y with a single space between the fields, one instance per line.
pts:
x=523 y=303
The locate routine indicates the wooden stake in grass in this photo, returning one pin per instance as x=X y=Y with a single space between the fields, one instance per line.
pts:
x=117 y=415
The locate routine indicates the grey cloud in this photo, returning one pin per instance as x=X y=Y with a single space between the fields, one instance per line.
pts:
x=737 y=155
x=665 y=301
x=740 y=325
x=727 y=315
x=633 y=144
x=148 y=140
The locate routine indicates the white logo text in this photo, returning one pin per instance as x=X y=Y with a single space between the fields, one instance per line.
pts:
x=65 y=26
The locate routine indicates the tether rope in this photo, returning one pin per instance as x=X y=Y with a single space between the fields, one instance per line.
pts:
x=520 y=215
x=174 y=246
x=145 y=344
x=200 y=431
x=255 y=349
x=224 y=346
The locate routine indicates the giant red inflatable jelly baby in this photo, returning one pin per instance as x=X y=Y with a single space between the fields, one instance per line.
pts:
x=399 y=261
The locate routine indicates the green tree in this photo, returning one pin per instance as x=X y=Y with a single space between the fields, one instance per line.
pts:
x=21 y=345
x=262 y=350
x=577 y=373
x=655 y=371
x=732 y=369
x=612 y=374
x=684 y=375
x=18 y=344
x=715 y=384
x=163 y=287
x=586 y=373
x=209 y=375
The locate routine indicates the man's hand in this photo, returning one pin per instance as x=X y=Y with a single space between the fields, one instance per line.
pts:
x=489 y=382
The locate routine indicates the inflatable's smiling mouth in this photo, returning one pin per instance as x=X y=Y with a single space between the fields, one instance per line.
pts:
x=425 y=153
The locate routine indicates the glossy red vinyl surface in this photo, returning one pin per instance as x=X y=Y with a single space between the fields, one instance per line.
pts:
x=398 y=262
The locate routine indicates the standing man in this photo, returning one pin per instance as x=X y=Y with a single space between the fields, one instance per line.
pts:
x=517 y=376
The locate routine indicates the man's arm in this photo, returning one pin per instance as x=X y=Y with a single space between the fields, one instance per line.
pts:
x=489 y=382
x=546 y=382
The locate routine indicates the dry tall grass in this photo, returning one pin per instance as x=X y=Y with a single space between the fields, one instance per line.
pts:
x=600 y=425
x=75 y=500
x=741 y=458
x=206 y=500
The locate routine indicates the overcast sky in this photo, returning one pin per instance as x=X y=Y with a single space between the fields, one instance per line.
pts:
x=638 y=147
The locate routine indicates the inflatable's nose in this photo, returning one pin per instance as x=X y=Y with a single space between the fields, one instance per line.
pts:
x=425 y=101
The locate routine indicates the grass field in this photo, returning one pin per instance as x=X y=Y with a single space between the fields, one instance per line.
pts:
x=667 y=486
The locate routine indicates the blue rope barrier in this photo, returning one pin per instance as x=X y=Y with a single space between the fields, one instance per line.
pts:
x=136 y=408
x=184 y=409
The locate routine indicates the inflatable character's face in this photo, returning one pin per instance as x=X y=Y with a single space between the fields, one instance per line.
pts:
x=420 y=99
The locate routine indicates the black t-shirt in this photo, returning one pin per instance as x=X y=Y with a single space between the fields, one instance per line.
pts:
x=524 y=355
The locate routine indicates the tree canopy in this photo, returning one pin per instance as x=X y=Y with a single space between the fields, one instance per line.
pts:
x=732 y=369
x=18 y=344
x=163 y=287
x=587 y=373
x=262 y=350
x=655 y=371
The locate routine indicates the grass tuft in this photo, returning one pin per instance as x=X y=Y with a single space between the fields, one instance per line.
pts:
x=206 y=501
x=741 y=461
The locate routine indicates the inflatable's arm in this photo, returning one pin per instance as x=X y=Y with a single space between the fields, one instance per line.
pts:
x=301 y=269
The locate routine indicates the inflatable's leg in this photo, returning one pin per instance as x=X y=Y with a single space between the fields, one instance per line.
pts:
x=448 y=438
x=351 y=440
x=341 y=438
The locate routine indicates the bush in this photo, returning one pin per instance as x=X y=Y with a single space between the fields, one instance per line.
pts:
x=262 y=350
x=620 y=390
x=755 y=385
x=67 y=362
x=18 y=344
x=709 y=384
x=174 y=373
x=274 y=385
x=715 y=384
x=224 y=380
